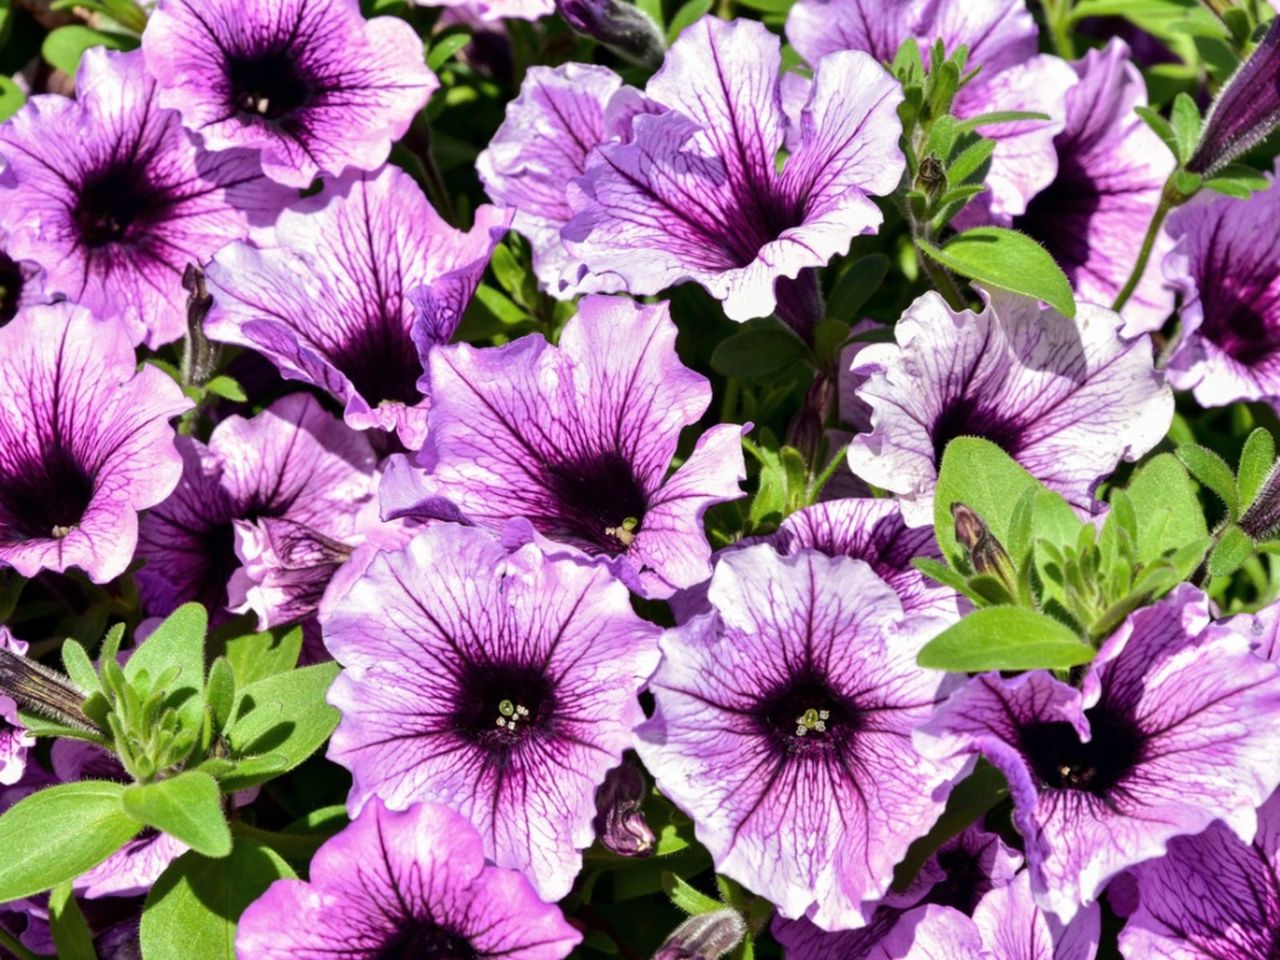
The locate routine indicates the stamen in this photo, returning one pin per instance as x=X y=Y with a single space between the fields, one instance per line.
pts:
x=812 y=719
x=625 y=533
x=511 y=713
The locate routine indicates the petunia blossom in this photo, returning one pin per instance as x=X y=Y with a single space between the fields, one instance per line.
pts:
x=1002 y=41
x=1172 y=729
x=311 y=85
x=412 y=883
x=693 y=194
x=1227 y=267
x=1111 y=172
x=327 y=297
x=113 y=199
x=14 y=739
x=783 y=729
x=571 y=445
x=502 y=685
x=1066 y=398
x=1213 y=896
x=85 y=442
x=293 y=462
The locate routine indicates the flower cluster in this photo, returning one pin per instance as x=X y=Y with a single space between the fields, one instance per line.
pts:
x=537 y=478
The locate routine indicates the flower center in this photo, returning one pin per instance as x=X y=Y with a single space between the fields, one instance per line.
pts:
x=805 y=715
x=44 y=500
x=963 y=883
x=1236 y=318
x=498 y=706
x=964 y=417
x=426 y=940
x=1061 y=761
x=111 y=202
x=381 y=360
x=267 y=84
x=597 y=503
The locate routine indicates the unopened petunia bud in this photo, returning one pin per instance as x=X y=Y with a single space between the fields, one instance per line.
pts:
x=620 y=822
x=620 y=26
x=707 y=936
x=39 y=690
x=1247 y=109
x=986 y=553
x=807 y=429
x=1262 y=520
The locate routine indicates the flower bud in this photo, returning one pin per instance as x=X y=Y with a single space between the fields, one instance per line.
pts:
x=39 y=690
x=1261 y=521
x=620 y=26
x=707 y=936
x=808 y=428
x=986 y=553
x=620 y=822
x=1247 y=109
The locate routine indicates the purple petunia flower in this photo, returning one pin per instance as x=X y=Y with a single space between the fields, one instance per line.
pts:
x=327 y=297
x=1002 y=40
x=502 y=685
x=85 y=442
x=14 y=739
x=293 y=462
x=1111 y=171
x=1211 y=897
x=963 y=871
x=570 y=446
x=113 y=198
x=310 y=84
x=1173 y=728
x=693 y=193
x=404 y=884
x=1068 y=399
x=549 y=132
x=783 y=728
x=1227 y=266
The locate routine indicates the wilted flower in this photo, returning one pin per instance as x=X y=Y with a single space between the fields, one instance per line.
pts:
x=327 y=296
x=293 y=462
x=1172 y=729
x=694 y=193
x=309 y=84
x=113 y=198
x=621 y=26
x=502 y=685
x=1068 y=399
x=407 y=884
x=1002 y=40
x=783 y=729
x=85 y=442
x=620 y=824
x=571 y=445
x=1227 y=267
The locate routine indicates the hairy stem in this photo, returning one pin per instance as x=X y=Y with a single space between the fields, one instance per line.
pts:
x=1169 y=199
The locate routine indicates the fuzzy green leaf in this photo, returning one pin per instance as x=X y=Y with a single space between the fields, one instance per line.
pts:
x=1005 y=638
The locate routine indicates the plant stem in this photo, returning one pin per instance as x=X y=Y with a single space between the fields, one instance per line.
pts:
x=10 y=943
x=1169 y=198
x=942 y=281
x=292 y=846
x=1057 y=14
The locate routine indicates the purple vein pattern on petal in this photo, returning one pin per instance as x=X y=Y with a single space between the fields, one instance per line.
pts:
x=310 y=84
x=574 y=442
x=783 y=728
x=1013 y=927
x=404 y=884
x=1172 y=730
x=294 y=462
x=693 y=194
x=326 y=298
x=113 y=198
x=501 y=685
x=1068 y=399
x=1226 y=264
x=85 y=442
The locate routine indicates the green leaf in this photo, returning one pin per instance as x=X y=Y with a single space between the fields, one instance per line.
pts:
x=1169 y=515
x=227 y=388
x=999 y=116
x=687 y=16
x=1008 y=260
x=178 y=641
x=1162 y=127
x=757 y=350
x=254 y=656
x=187 y=807
x=980 y=475
x=1233 y=548
x=499 y=305
x=1256 y=460
x=71 y=934
x=12 y=98
x=1185 y=118
x=778 y=7
x=940 y=572
x=192 y=911
x=1005 y=638
x=79 y=667
x=971 y=799
x=64 y=47
x=220 y=693
x=970 y=160
x=284 y=715
x=1213 y=473
x=57 y=834
x=859 y=280
x=443 y=50
x=687 y=897
x=1238 y=180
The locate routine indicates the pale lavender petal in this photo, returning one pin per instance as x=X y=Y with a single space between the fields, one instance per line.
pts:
x=1013 y=927
x=14 y=739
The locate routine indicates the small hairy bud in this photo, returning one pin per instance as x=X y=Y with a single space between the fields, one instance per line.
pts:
x=1246 y=111
x=707 y=936
x=620 y=26
x=39 y=690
